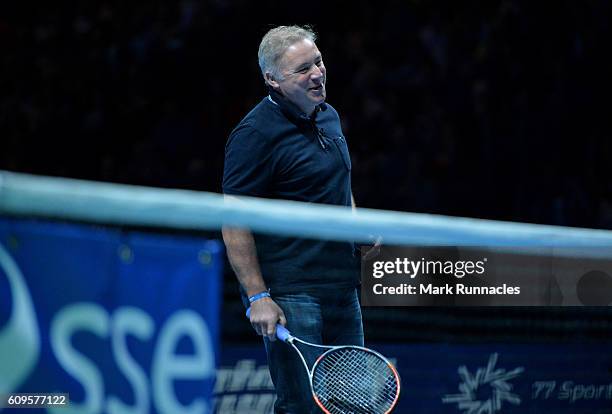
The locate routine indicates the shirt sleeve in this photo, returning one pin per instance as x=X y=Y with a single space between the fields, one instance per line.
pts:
x=247 y=168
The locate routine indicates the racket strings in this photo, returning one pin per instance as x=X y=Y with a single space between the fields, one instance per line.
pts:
x=351 y=380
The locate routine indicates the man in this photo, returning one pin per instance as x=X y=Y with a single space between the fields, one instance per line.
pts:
x=291 y=146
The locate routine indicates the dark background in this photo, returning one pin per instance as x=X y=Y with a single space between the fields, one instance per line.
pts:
x=496 y=109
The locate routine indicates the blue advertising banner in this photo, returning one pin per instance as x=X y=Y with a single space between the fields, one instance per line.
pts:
x=124 y=322
x=453 y=379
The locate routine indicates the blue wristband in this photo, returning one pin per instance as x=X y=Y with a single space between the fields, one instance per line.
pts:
x=261 y=295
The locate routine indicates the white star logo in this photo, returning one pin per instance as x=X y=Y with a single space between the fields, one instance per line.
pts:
x=496 y=380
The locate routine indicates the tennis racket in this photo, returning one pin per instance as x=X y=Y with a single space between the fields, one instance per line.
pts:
x=348 y=379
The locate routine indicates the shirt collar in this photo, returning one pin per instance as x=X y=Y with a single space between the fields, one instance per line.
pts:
x=290 y=109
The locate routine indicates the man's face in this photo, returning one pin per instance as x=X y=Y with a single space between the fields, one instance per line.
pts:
x=303 y=74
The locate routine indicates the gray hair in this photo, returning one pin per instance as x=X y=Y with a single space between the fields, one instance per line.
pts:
x=274 y=44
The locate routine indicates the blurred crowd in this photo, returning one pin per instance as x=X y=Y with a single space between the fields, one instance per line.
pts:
x=493 y=109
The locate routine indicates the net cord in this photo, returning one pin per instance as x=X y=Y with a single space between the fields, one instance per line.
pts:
x=119 y=204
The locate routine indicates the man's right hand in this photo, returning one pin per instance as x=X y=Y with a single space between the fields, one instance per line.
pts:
x=265 y=314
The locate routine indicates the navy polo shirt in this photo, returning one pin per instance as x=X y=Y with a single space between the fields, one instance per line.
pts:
x=278 y=152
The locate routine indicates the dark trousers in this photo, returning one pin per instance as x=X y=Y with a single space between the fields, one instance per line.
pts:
x=330 y=317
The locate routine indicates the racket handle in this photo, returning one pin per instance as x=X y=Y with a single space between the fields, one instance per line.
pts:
x=282 y=333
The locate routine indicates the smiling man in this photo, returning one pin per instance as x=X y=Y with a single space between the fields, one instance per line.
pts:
x=291 y=146
x=300 y=76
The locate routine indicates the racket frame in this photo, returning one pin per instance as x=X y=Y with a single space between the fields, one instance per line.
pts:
x=290 y=339
x=284 y=335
